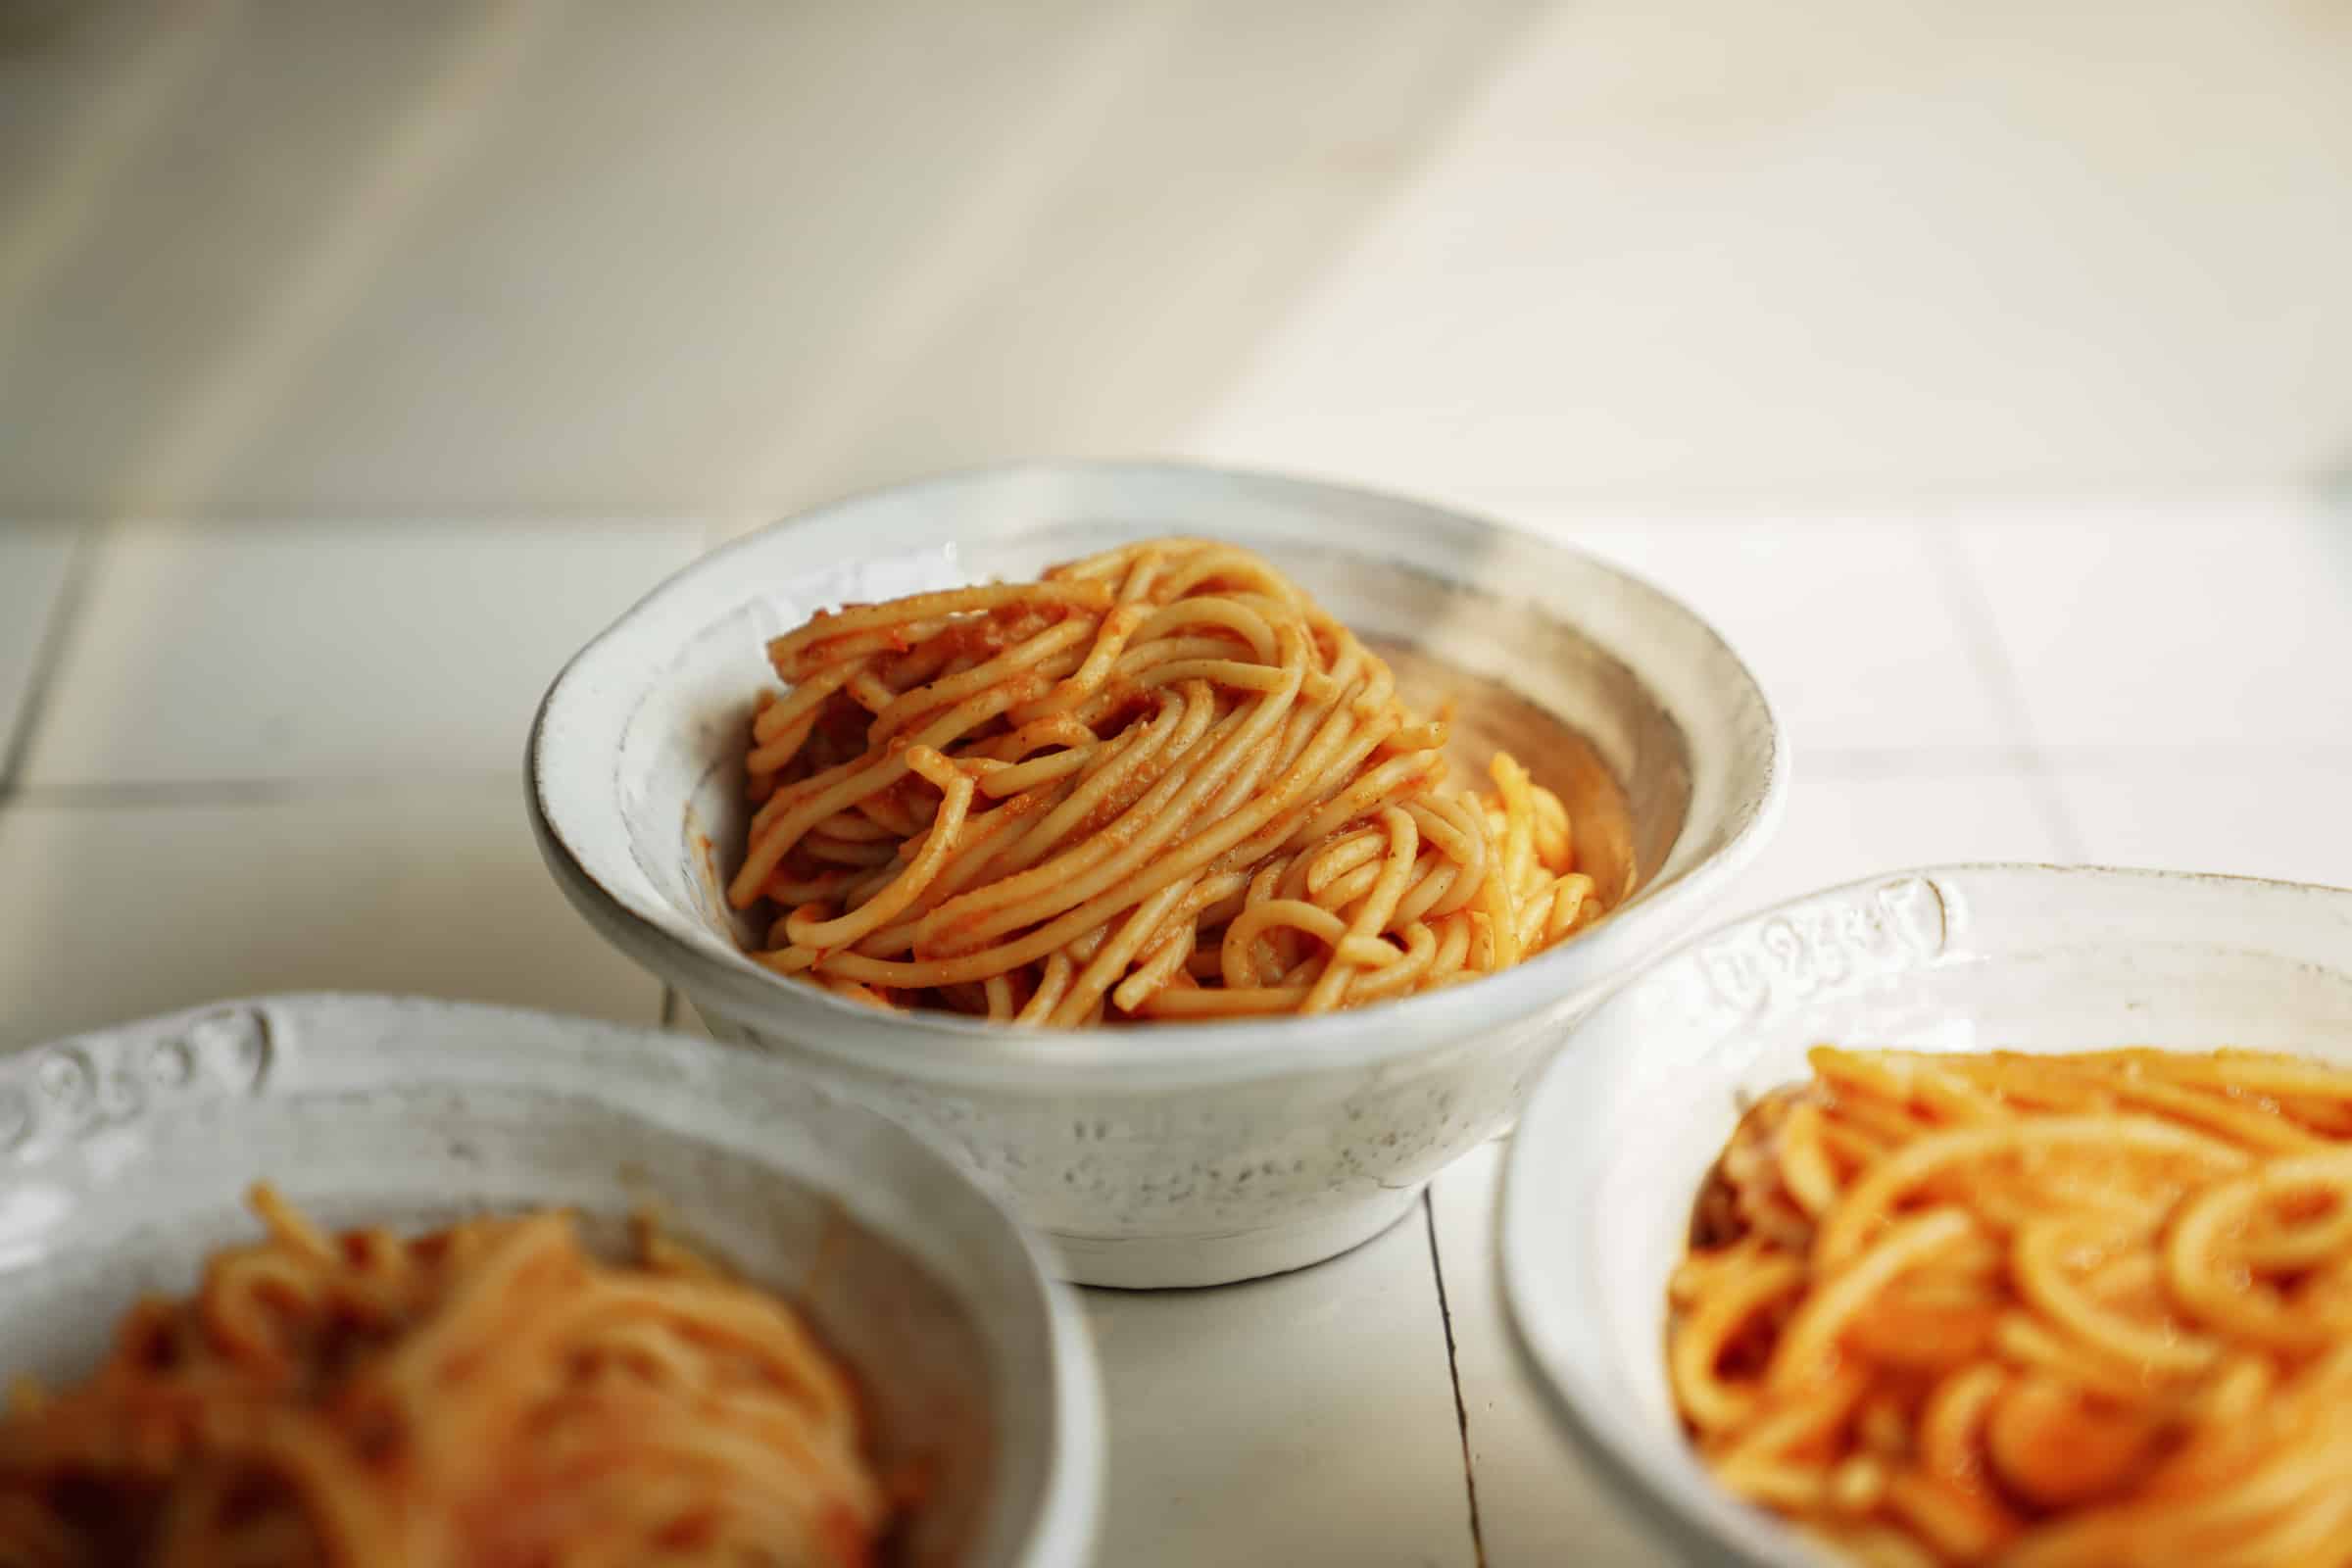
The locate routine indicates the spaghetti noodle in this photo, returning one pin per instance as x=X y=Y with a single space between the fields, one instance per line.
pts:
x=2034 y=1311
x=1159 y=782
x=484 y=1397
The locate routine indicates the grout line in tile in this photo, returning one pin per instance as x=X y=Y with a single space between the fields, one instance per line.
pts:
x=1972 y=605
x=2197 y=758
x=134 y=793
x=1870 y=762
x=1453 y=1374
x=200 y=524
x=1998 y=500
x=49 y=655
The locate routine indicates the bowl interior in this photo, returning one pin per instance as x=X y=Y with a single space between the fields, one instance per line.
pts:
x=1610 y=692
x=139 y=1146
x=1610 y=1155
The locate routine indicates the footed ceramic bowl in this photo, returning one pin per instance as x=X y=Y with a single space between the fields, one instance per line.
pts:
x=126 y=1156
x=1606 y=1165
x=1174 y=1154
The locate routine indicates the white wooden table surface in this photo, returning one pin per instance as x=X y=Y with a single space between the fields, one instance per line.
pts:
x=254 y=758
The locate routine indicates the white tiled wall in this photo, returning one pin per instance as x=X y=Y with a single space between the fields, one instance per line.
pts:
x=2207 y=628
x=211 y=654
x=1304 y=1419
x=115 y=906
x=541 y=256
x=1540 y=1500
x=1862 y=639
x=34 y=568
x=1840 y=826
x=2273 y=813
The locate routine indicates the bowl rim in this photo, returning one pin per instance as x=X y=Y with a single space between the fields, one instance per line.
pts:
x=1062 y=1515
x=1163 y=1053
x=1552 y=1342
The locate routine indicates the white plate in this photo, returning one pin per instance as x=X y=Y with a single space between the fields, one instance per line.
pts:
x=125 y=1154
x=1162 y=1154
x=1609 y=1159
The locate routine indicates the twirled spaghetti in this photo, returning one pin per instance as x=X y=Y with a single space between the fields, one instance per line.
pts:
x=2034 y=1311
x=486 y=1397
x=1161 y=782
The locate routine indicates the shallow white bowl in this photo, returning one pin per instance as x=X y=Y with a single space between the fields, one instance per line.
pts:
x=1609 y=1159
x=1158 y=1154
x=125 y=1154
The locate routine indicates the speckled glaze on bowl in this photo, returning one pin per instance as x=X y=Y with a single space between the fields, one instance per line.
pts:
x=125 y=1154
x=1608 y=1159
x=1160 y=1154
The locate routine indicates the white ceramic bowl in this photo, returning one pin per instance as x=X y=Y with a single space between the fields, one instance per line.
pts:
x=1160 y=1155
x=1609 y=1159
x=124 y=1156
